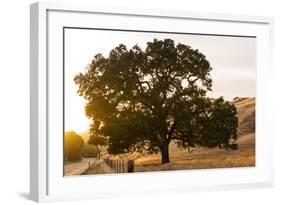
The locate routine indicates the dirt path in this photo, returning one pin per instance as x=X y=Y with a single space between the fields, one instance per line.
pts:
x=77 y=168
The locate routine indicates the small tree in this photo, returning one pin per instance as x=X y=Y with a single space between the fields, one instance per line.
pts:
x=144 y=99
x=90 y=150
x=73 y=144
x=98 y=141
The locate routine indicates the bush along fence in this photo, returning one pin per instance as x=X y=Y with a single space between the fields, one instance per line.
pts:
x=121 y=165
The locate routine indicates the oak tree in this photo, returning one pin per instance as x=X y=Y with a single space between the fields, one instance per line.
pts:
x=143 y=99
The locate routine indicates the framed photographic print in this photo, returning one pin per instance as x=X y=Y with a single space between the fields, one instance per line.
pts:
x=147 y=101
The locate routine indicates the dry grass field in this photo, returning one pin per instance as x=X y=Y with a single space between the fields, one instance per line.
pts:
x=202 y=158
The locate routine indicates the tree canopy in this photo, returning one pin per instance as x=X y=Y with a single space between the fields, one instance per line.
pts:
x=144 y=99
x=73 y=144
x=97 y=140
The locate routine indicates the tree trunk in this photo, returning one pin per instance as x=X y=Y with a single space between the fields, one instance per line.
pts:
x=165 y=153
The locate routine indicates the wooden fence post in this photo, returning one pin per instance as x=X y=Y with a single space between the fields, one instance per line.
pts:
x=131 y=166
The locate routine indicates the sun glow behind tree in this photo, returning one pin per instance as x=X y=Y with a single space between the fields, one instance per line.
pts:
x=143 y=99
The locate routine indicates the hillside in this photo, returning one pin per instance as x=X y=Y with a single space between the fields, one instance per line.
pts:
x=246 y=115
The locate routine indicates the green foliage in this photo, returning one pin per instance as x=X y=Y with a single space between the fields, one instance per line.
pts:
x=73 y=144
x=97 y=140
x=216 y=127
x=89 y=150
x=141 y=100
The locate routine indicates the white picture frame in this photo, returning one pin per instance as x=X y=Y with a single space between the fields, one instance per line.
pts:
x=47 y=183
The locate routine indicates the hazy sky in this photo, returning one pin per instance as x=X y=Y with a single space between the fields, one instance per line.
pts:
x=233 y=60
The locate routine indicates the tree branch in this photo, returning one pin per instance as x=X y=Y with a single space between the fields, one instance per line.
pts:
x=176 y=138
x=143 y=96
x=193 y=81
x=170 y=133
x=175 y=86
x=147 y=83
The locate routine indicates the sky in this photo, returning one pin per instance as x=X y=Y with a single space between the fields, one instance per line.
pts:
x=233 y=60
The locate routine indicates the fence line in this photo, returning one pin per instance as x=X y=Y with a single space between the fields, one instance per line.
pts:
x=121 y=165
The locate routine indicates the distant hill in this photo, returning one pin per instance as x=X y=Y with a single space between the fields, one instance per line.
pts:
x=246 y=115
